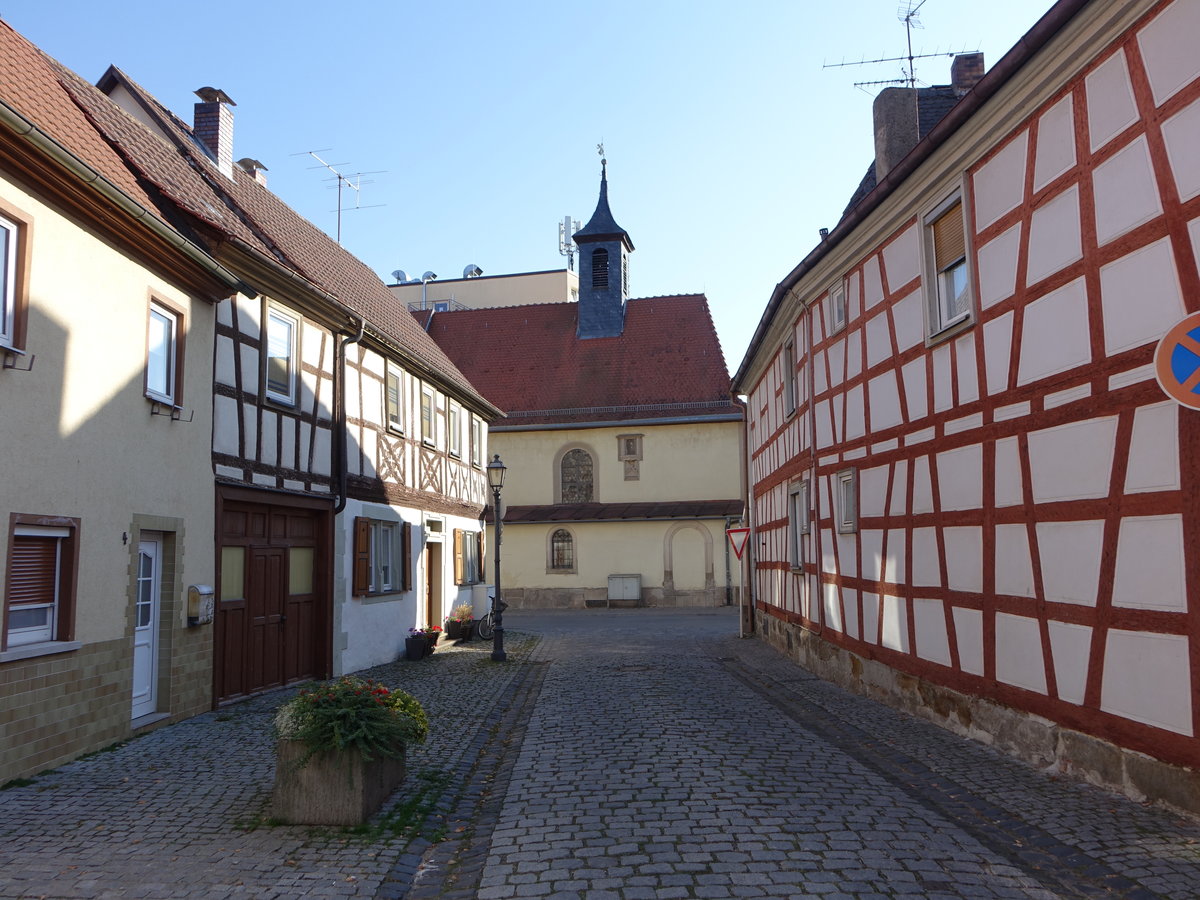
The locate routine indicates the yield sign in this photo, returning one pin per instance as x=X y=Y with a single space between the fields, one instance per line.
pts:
x=737 y=539
x=1177 y=362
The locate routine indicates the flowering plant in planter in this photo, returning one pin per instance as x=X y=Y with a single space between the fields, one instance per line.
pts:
x=352 y=713
x=464 y=612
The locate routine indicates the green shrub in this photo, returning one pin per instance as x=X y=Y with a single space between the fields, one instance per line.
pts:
x=352 y=713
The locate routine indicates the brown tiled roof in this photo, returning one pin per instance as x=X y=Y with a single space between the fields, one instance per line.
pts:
x=527 y=360
x=604 y=512
x=238 y=209
x=29 y=84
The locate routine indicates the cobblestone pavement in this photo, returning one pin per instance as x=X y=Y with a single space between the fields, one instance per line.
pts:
x=668 y=759
x=627 y=754
x=184 y=811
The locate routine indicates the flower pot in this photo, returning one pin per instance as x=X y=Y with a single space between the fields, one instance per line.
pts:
x=454 y=629
x=415 y=647
x=338 y=788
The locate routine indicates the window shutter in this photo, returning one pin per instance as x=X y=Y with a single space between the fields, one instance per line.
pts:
x=479 y=557
x=406 y=557
x=34 y=566
x=362 y=556
x=458 y=556
x=949 y=241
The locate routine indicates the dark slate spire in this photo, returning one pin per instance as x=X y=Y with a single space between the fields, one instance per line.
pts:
x=602 y=226
x=604 y=248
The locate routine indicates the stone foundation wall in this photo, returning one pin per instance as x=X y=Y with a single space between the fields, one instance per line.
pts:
x=593 y=598
x=59 y=707
x=1029 y=737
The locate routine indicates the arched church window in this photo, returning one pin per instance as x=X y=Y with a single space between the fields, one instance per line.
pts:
x=600 y=268
x=562 y=550
x=577 y=477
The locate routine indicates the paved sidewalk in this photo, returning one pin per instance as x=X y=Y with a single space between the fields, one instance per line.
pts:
x=626 y=754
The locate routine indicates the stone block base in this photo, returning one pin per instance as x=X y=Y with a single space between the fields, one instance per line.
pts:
x=331 y=789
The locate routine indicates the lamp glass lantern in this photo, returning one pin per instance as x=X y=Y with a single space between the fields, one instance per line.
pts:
x=495 y=472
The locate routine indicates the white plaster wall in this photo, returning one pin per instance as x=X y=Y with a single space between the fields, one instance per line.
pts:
x=1073 y=461
x=1168 y=45
x=1150 y=564
x=1147 y=678
x=1014 y=565
x=1181 y=134
x=1019 y=652
x=929 y=623
x=1070 y=556
x=1000 y=182
x=1071 y=647
x=902 y=259
x=997 y=352
x=1125 y=192
x=1154 y=449
x=964 y=558
x=968 y=628
x=1054 y=240
x=1111 y=108
x=1055 y=142
x=1140 y=296
x=895 y=623
x=960 y=477
x=1055 y=336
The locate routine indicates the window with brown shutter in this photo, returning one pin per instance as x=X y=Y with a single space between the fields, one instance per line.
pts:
x=459 y=571
x=362 y=556
x=946 y=249
x=39 y=597
x=406 y=564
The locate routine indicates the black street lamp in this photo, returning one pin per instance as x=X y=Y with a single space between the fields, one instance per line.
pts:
x=495 y=474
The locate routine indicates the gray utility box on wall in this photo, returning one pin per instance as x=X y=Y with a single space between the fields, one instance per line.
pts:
x=624 y=590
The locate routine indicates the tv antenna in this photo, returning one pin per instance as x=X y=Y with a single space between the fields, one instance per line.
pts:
x=354 y=182
x=908 y=13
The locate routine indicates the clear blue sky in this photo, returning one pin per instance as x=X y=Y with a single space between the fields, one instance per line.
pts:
x=728 y=144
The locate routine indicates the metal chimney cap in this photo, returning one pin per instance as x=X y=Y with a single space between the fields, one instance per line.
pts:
x=214 y=95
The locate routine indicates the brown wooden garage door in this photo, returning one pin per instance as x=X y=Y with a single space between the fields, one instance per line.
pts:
x=273 y=609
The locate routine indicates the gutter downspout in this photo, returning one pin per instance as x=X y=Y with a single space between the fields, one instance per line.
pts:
x=48 y=146
x=339 y=414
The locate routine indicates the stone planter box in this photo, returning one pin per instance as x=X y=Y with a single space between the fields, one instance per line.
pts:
x=331 y=789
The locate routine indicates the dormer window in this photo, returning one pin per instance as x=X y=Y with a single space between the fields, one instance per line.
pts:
x=600 y=268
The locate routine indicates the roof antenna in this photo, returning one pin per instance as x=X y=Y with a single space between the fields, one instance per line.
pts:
x=908 y=14
x=354 y=182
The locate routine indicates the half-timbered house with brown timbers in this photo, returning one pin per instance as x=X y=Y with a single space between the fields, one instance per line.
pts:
x=973 y=414
x=107 y=321
x=347 y=449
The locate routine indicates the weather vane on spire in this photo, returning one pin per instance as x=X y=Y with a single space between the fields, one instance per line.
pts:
x=603 y=161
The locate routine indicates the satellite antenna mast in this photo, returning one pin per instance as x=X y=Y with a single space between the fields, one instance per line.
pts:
x=354 y=182
x=566 y=243
x=908 y=14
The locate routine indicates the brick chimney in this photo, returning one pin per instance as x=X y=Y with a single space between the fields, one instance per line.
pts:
x=904 y=115
x=965 y=72
x=213 y=127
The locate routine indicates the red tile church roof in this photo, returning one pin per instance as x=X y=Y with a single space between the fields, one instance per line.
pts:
x=527 y=360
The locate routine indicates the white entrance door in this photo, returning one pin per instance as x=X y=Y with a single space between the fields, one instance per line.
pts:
x=145 y=630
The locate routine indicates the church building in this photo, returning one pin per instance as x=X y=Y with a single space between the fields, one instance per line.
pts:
x=621 y=439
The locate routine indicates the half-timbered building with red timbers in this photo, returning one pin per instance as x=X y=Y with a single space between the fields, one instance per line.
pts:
x=970 y=494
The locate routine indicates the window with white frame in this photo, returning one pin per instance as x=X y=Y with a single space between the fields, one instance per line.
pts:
x=454 y=429
x=798 y=523
x=281 y=369
x=162 y=358
x=837 y=306
x=789 y=377
x=427 y=408
x=846 y=500
x=40 y=591
x=9 y=234
x=382 y=557
x=392 y=400
x=947 y=285
x=476 y=440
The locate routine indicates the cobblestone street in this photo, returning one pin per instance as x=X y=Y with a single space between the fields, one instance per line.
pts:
x=625 y=754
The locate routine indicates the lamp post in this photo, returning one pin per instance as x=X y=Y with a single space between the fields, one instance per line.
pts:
x=495 y=474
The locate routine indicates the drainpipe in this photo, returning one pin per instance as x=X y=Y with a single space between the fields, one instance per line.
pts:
x=339 y=414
